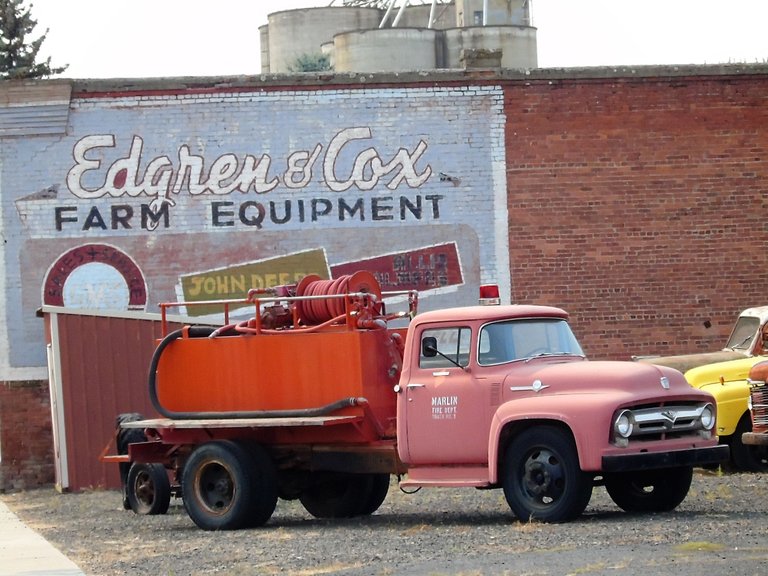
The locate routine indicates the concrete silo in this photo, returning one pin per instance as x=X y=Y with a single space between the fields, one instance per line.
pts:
x=294 y=33
x=517 y=44
x=400 y=35
x=387 y=50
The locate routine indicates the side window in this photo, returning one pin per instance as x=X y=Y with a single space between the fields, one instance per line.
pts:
x=452 y=346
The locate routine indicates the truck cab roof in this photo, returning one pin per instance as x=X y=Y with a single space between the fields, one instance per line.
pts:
x=490 y=313
x=757 y=312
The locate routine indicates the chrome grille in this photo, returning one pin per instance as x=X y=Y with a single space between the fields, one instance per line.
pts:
x=759 y=408
x=666 y=420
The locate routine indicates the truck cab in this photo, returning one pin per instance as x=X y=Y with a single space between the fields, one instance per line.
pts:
x=504 y=396
x=454 y=371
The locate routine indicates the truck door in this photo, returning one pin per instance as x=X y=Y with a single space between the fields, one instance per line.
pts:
x=447 y=409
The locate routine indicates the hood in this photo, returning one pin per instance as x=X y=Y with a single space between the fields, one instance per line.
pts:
x=685 y=362
x=731 y=371
x=636 y=378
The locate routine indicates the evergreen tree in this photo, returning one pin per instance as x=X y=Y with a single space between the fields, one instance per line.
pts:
x=311 y=63
x=18 y=54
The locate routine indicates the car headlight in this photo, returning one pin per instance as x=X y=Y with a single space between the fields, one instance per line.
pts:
x=708 y=417
x=624 y=424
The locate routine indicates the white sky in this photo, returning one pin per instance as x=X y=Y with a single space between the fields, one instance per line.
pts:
x=145 y=38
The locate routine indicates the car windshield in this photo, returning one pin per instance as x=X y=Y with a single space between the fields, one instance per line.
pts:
x=512 y=340
x=743 y=333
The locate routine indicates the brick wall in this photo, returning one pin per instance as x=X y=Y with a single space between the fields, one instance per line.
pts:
x=639 y=205
x=26 y=438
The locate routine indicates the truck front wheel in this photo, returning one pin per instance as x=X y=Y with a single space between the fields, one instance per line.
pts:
x=649 y=490
x=226 y=486
x=542 y=477
x=747 y=458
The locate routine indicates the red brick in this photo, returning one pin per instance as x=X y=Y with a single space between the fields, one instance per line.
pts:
x=638 y=205
x=26 y=438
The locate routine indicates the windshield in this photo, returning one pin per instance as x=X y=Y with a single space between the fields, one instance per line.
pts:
x=523 y=339
x=743 y=333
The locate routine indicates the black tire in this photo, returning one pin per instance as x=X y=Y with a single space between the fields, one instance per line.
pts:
x=649 y=490
x=265 y=487
x=148 y=489
x=226 y=486
x=291 y=483
x=542 y=478
x=124 y=437
x=378 y=487
x=743 y=457
x=337 y=495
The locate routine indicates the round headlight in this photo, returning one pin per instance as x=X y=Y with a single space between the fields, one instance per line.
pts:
x=624 y=424
x=708 y=417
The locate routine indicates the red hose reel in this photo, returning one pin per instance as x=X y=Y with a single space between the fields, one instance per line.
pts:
x=324 y=300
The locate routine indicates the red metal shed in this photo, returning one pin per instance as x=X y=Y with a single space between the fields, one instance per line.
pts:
x=97 y=369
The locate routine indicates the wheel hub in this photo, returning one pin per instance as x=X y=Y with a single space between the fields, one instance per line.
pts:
x=543 y=479
x=216 y=488
x=145 y=489
x=537 y=478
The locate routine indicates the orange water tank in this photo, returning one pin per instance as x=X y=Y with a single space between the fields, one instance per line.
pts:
x=278 y=372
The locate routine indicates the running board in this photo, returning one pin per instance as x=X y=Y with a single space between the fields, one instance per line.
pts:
x=454 y=476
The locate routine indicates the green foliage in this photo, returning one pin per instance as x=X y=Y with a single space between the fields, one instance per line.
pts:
x=311 y=63
x=18 y=52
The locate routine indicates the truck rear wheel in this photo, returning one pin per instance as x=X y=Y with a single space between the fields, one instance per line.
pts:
x=649 y=490
x=226 y=486
x=148 y=489
x=377 y=493
x=344 y=495
x=542 y=477
x=125 y=437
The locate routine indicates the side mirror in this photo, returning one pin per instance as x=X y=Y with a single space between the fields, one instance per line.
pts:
x=429 y=347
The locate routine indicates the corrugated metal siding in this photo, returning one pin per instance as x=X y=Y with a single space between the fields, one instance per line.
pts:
x=30 y=107
x=34 y=120
x=104 y=365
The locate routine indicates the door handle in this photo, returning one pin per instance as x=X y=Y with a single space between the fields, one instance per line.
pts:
x=415 y=385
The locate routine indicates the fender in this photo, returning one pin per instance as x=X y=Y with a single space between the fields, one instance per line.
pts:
x=732 y=400
x=587 y=416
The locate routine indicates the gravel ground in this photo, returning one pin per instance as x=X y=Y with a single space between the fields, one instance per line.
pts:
x=721 y=528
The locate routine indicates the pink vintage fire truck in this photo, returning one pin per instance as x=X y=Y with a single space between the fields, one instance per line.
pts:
x=317 y=397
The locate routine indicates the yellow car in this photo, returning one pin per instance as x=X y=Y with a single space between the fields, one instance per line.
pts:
x=727 y=382
x=724 y=375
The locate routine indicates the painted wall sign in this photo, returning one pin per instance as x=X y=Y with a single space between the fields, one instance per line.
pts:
x=95 y=276
x=429 y=268
x=228 y=173
x=160 y=181
x=210 y=193
x=234 y=282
